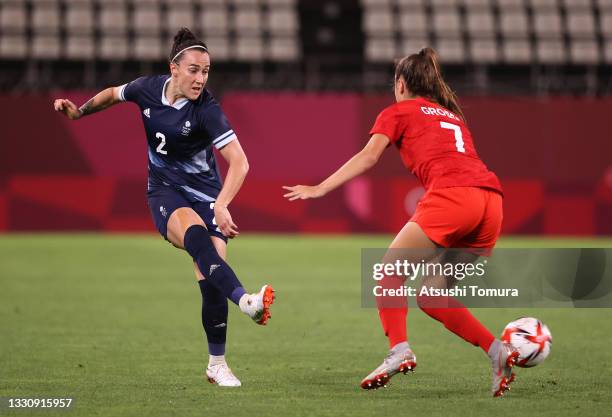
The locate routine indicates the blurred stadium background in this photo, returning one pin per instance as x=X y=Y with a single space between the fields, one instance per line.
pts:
x=302 y=82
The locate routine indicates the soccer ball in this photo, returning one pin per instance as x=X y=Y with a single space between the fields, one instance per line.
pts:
x=531 y=338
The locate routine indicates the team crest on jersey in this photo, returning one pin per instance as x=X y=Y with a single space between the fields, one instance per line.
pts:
x=147 y=112
x=186 y=128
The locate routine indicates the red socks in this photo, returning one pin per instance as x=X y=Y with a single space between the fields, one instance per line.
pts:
x=457 y=319
x=448 y=311
x=392 y=311
x=394 y=324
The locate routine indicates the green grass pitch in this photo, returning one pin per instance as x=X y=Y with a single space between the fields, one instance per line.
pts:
x=114 y=322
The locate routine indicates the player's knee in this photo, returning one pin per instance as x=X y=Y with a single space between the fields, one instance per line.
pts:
x=198 y=243
x=427 y=302
x=421 y=301
x=179 y=222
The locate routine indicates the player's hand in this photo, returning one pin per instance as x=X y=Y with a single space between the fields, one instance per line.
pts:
x=225 y=222
x=67 y=107
x=303 y=192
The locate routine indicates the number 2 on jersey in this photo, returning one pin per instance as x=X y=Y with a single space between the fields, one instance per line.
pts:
x=458 y=135
x=160 y=148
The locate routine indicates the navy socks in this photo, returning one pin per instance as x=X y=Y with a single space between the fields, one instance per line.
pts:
x=220 y=283
x=214 y=317
x=216 y=271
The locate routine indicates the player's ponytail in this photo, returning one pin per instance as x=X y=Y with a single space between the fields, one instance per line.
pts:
x=423 y=78
x=183 y=40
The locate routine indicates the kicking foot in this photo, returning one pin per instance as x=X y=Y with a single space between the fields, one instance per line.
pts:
x=503 y=358
x=399 y=359
x=257 y=306
x=222 y=375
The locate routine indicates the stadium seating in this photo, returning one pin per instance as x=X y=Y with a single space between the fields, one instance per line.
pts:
x=239 y=30
x=547 y=32
x=13 y=21
x=299 y=43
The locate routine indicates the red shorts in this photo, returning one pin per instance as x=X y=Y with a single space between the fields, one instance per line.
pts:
x=460 y=217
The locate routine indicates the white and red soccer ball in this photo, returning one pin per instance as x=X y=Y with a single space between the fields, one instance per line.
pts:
x=531 y=338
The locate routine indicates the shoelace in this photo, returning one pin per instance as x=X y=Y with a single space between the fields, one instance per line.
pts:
x=504 y=352
x=224 y=372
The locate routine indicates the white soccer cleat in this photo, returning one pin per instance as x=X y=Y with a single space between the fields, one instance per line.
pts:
x=257 y=306
x=222 y=375
x=503 y=358
x=398 y=360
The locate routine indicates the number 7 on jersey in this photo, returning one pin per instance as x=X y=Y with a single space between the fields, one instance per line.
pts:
x=458 y=135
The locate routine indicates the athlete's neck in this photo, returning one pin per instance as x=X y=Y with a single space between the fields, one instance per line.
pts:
x=405 y=97
x=172 y=92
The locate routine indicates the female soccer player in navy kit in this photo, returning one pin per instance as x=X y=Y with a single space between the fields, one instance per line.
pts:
x=188 y=201
x=462 y=207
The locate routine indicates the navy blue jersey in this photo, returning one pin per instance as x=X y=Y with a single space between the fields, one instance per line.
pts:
x=180 y=137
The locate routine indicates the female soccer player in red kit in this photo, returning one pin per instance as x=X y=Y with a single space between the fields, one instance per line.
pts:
x=462 y=207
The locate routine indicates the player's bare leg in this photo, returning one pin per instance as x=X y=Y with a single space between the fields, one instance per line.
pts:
x=256 y=305
x=412 y=237
x=502 y=356
x=179 y=222
x=460 y=321
x=447 y=310
x=410 y=243
x=215 y=301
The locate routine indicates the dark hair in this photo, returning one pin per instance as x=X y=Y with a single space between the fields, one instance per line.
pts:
x=184 y=38
x=423 y=77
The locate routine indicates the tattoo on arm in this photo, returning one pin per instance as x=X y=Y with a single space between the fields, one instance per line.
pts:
x=99 y=102
x=87 y=108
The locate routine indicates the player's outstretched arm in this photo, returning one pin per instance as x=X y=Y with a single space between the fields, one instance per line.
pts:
x=355 y=166
x=100 y=101
x=236 y=172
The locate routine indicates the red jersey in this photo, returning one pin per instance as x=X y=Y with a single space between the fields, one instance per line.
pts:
x=435 y=145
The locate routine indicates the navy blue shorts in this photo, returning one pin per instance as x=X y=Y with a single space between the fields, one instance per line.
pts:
x=163 y=200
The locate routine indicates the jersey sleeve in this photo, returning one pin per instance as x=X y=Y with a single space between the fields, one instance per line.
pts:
x=132 y=90
x=216 y=126
x=387 y=123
